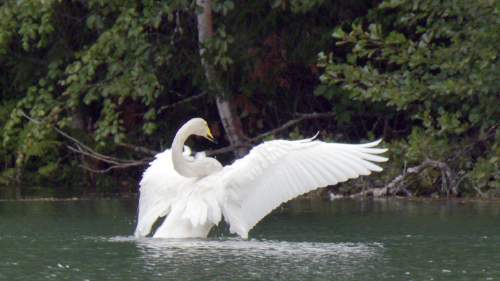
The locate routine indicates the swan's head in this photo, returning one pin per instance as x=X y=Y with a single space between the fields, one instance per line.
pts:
x=199 y=127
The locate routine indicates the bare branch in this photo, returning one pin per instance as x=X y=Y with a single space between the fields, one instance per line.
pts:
x=225 y=149
x=80 y=148
x=301 y=117
x=140 y=149
x=120 y=166
x=186 y=100
x=117 y=163
x=66 y=135
x=448 y=180
x=375 y=192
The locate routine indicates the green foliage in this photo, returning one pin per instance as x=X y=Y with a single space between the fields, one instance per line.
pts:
x=30 y=21
x=435 y=62
x=218 y=47
x=81 y=66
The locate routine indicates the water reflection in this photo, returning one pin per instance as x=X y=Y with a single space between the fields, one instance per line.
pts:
x=250 y=259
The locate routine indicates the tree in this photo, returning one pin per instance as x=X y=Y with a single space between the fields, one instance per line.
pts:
x=436 y=65
x=231 y=123
x=90 y=84
x=98 y=87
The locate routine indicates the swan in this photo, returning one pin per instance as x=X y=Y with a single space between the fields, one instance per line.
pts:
x=195 y=193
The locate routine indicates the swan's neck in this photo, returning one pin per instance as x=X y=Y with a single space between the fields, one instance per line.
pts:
x=182 y=165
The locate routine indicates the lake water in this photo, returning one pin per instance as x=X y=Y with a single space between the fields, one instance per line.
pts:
x=306 y=240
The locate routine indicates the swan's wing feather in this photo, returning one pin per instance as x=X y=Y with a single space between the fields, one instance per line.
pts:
x=277 y=171
x=158 y=189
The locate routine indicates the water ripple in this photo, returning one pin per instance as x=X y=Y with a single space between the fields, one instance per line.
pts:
x=253 y=258
x=252 y=246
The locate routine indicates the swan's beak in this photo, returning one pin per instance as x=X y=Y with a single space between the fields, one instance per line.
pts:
x=210 y=137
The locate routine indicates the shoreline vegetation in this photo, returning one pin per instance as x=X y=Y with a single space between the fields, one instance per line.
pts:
x=303 y=198
x=92 y=90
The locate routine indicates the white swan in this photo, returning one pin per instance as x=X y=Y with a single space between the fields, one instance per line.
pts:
x=194 y=193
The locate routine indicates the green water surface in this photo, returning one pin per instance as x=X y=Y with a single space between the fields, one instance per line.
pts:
x=306 y=240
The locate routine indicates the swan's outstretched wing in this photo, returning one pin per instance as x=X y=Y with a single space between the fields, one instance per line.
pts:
x=277 y=171
x=159 y=187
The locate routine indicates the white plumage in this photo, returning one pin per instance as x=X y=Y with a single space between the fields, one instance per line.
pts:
x=243 y=193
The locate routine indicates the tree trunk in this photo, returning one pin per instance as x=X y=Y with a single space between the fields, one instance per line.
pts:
x=17 y=181
x=230 y=121
x=78 y=123
x=18 y=188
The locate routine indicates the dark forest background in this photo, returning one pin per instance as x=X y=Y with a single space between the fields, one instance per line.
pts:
x=91 y=90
